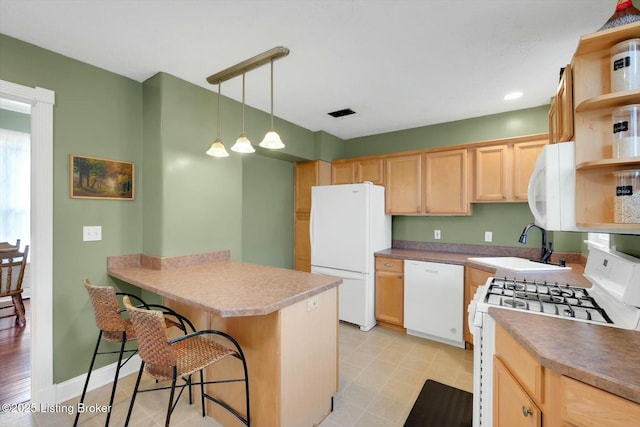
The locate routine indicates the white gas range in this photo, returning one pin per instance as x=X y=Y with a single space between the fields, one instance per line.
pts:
x=612 y=300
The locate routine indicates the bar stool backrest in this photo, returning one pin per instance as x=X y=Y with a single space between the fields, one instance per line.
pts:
x=105 y=307
x=153 y=342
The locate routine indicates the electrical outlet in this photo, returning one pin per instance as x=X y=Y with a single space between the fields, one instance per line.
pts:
x=488 y=236
x=436 y=234
x=312 y=303
x=91 y=233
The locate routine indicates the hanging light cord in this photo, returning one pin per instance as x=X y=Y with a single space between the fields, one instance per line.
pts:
x=243 y=103
x=272 y=94
x=218 y=124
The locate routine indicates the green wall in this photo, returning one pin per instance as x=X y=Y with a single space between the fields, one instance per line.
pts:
x=188 y=202
x=96 y=113
x=505 y=125
x=192 y=202
x=505 y=220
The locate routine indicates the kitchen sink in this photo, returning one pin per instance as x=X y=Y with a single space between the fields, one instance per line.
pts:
x=517 y=264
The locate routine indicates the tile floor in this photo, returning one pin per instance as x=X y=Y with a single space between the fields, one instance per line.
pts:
x=381 y=374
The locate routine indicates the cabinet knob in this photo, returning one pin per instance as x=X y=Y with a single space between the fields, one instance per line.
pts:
x=388 y=264
x=517 y=196
x=526 y=411
x=504 y=197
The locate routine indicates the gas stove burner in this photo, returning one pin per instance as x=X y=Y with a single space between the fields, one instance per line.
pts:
x=549 y=298
x=514 y=303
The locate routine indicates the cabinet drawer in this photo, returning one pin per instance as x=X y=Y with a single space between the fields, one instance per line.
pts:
x=585 y=405
x=521 y=364
x=389 y=264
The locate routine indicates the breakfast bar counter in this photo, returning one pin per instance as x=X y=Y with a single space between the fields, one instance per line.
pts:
x=286 y=322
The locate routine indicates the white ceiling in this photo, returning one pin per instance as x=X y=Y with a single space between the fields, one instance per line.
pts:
x=398 y=63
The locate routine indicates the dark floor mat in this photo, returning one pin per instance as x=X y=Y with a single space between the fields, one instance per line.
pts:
x=440 y=405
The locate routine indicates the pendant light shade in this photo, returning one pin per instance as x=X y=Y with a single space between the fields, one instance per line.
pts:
x=243 y=145
x=217 y=147
x=272 y=139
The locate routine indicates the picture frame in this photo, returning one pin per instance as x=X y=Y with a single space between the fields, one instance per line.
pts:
x=98 y=178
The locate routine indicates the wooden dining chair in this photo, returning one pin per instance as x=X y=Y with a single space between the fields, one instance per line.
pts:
x=116 y=328
x=12 y=266
x=167 y=359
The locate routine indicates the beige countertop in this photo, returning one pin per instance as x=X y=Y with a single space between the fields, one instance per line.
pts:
x=602 y=356
x=223 y=287
x=574 y=276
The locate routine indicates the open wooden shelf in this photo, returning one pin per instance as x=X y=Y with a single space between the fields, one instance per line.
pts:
x=609 y=100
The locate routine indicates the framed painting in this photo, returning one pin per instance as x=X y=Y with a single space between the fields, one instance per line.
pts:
x=95 y=178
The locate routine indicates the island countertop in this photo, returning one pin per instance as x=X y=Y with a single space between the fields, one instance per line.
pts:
x=223 y=287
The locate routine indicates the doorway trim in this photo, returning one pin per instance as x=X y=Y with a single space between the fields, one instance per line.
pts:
x=41 y=100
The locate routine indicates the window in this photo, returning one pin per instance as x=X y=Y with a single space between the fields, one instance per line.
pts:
x=15 y=191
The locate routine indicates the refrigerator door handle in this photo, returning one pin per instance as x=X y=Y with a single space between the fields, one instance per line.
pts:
x=311 y=230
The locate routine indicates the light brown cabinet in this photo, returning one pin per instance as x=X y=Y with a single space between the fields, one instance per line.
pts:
x=584 y=405
x=593 y=104
x=431 y=183
x=528 y=394
x=473 y=278
x=403 y=183
x=307 y=174
x=561 y=109
x=390 y=293
x=357 y=171
x=518 y=387
x=512 y=406
x=502 y=171
x=446 y=183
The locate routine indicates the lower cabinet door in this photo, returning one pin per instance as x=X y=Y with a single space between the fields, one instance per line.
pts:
x=512 y=406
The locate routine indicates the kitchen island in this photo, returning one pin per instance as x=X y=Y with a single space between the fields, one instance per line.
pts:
x=286 y=322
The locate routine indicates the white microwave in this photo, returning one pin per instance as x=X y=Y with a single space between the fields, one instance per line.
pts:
x=551 y=192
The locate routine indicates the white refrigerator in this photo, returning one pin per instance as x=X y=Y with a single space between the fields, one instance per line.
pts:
x=348 y=225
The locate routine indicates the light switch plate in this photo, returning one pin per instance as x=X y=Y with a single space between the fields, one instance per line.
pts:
x=436 y=234
x=91 y=233
x=488 y=236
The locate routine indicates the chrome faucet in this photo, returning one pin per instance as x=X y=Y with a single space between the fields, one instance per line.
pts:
x=546 y=251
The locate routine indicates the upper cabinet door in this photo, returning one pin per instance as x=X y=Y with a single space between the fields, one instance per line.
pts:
x=308 y=174
x=370 y=170
x=343 y=173
x=446 y=184
x=525 y=155
x=403 y=182
x=491 y=173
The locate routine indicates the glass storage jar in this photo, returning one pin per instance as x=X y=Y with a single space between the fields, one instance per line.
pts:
x=626 y=131
x=625 y=65
x=627 y=198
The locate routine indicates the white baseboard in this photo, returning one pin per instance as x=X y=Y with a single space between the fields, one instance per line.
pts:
x=99 y=377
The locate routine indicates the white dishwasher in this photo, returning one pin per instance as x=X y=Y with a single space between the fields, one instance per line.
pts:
x=433 y=301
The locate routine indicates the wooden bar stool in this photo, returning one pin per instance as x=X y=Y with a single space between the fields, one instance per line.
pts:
x=167 y=360
x=115 y=328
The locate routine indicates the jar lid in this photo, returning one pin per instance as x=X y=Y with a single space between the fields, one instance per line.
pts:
x=624 y=45
x=627 y=173
x=627 y=108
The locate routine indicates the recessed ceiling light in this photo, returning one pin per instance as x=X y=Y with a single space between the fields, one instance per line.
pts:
x=513 y=95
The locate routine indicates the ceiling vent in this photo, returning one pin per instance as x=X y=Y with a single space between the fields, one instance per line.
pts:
x=342 y=113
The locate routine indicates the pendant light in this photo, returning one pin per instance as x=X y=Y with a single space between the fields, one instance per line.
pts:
x=243 y=145
x=217 y=147
x=272 y=139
